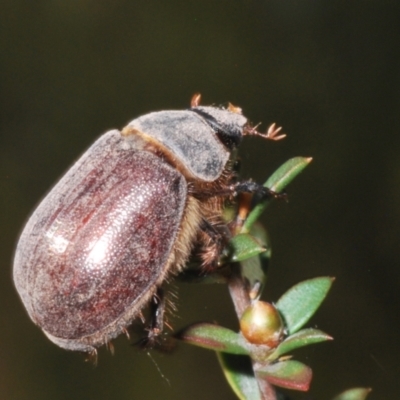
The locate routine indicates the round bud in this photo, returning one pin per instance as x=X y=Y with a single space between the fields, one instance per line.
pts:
x=261 y=323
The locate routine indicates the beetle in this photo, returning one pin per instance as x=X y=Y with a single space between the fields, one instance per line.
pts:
x=125 y=217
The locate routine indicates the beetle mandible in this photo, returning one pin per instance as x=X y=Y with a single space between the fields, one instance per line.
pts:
x=125 y=217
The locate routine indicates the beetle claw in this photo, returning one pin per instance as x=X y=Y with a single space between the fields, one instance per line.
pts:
x=271 y=134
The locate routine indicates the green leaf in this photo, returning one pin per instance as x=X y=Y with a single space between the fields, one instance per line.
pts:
x=353 y=394
x=213 y=337
x=301 y=301
x=245 y=246
x=238 y=372
x=301 y=338
x=286 y=173
x=260 y=233
x=255 y=269
x=277 y=182
x=288 y=374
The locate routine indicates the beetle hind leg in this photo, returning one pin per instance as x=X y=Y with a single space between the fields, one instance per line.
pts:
x=155 y=327
x=158 y=305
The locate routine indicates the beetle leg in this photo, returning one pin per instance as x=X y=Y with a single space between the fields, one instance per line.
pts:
x=243 y=210
x=246 y=187
x=273 y=132
x=157 y=310
x=214 y=244
x=256 y=189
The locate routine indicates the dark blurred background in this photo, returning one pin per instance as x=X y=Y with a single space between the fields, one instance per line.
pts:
x=328 y=71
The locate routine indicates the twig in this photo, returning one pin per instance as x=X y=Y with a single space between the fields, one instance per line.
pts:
x=239 y=293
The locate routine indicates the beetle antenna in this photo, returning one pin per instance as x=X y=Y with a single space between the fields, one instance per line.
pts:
x=271 y=133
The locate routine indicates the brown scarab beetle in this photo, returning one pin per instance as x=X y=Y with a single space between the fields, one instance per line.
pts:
x=124 y=217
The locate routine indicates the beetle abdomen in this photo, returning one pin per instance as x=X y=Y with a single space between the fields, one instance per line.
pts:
x=99 y=242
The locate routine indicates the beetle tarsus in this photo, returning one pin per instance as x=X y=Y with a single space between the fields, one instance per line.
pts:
x=157 y=310
x=271 y=134
x=258 y=190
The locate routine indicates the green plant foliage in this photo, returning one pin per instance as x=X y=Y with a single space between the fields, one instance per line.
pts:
x=255 y=269
x=353 y=394
x=253 y=367
x=288 y=374
x=214 y=337
x=300 y=302
x=301 y=338
x=277 y=182
x=245 y=246
x=238 y=372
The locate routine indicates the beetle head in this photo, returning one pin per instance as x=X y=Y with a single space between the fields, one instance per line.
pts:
x=228 y=124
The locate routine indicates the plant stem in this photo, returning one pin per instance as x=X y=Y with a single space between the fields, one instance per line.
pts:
x=239 y=293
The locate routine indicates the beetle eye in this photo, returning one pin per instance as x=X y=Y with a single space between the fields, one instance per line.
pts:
x=231 y=138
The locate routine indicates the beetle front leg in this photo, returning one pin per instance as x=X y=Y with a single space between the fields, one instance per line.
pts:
x=249 y=186
x=258 y=190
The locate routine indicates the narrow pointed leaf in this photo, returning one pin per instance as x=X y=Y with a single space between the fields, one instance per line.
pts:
x=238 y=372
x=255 y=269
x=301 y=301
x=301 y=338
x=289 y=374
x=286 y=173
x=245 y=246
x=213 y=337
x=277 y=182
x=353 y=394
